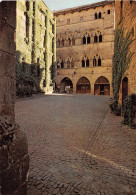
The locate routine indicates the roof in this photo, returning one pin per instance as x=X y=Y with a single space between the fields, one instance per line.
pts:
x=83 y=7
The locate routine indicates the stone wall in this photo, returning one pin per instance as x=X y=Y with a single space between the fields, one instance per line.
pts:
x=72 y=25
x=126 y=16
x=36 y=42
x=14 y=159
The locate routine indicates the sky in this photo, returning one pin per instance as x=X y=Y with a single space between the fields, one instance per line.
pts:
x=63 y=4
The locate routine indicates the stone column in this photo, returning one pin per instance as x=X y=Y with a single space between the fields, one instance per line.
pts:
x=14 y=159
x=92 y=88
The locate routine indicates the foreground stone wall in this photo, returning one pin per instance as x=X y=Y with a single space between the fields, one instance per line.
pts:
x=126 y=16
x=14 y=159
x=72 y=25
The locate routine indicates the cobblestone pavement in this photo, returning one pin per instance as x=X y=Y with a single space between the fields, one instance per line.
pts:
x=77 y=146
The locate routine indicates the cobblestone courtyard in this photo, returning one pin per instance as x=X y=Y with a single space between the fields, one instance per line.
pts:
x=77 y=146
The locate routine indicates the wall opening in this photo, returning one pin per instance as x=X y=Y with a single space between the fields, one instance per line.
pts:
x=66 y=85
x=83 y=85
x=102 y=86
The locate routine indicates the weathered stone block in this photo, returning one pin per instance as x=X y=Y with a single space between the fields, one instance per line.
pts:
x=7 y=43
x=19 y=148
x=7 y=64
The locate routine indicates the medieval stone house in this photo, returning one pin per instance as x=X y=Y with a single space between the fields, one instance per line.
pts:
x=36 y=43
x=85 y=44
x=126 y=17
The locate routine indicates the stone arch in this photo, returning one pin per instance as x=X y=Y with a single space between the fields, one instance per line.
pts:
x=97 y=59
x=86 y=37
x=102 y=86
x=66 y=85
x=60 y=63
x=69 y=62
x=83 y=85
x=98 y=36
x=70 y=39
x=61 y=40
x=85 y=61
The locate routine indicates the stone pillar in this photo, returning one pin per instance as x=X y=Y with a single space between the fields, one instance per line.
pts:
x=14 y=159
x=92 y=88
x=74 y=86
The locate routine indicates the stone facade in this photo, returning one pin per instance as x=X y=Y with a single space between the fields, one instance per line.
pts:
x=126 y=16
x=14 y=159
x=85 y=44
x=36 y=43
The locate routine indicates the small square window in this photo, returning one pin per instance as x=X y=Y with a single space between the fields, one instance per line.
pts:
x=81 y=19
x=68 y=21
x=108 y=12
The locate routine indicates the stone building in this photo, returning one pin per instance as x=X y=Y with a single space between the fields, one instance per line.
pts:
x=85 y=44
x=126 y=16
x=14 y=158
x=36 y=43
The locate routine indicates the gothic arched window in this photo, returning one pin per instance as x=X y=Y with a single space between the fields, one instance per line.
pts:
x=84 y=40
x=83 y=63
x=100 y=38
x=88 y=39
x=100 y=15
x=62 y=64
x=87 y=62
x=95 y=39
x=73 y=41
x=99 y=61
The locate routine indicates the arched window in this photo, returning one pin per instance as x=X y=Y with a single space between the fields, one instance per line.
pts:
x=84 y=40
x=73 y=41
x=87 y=62
x=58 y=64
x=100 y=15
x=68 y=64
x=62 y=43
x=88 y=39
x=121 y=3
x=94 y=61
x=72 y=64
x=99 y=61
x=62 y=64
x=83 y=63
x=69 y=41
x=100 y=38
x=95 y=16
x=95 y=38
x=59 y=43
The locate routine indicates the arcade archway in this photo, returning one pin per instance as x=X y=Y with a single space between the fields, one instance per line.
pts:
x=66 y=85
x=102 y=86
x=83 y=85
